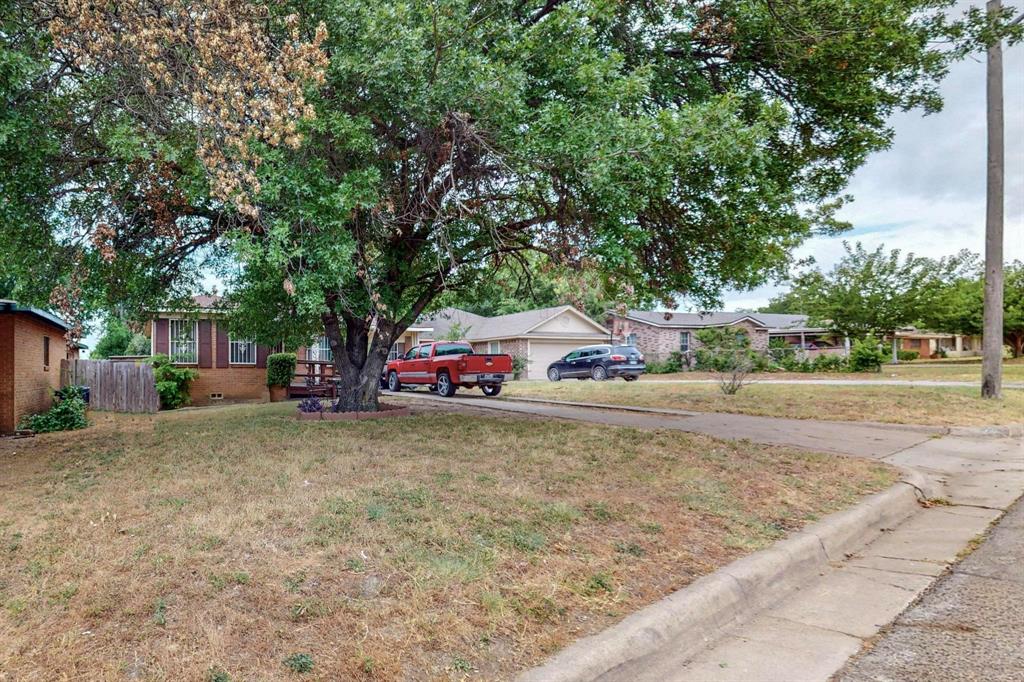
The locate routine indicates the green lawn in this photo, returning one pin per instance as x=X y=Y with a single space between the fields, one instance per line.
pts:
x=895 y=404
x=438 y=546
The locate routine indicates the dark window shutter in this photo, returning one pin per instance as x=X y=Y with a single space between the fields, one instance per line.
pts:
x=162 y=337
x=205 y=343
x=261 y=355
x=222 y=344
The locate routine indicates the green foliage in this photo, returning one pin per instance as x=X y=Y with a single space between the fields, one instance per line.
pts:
x=138 y=345
x=668 y=147
x=115 y=339
x=907 y=355
x=457 y=332
x=866 y=356
x=671 y=365
x=172 y=383
x=722 y=348
x=67 y=414
x=280 y=369
x=870 y=293
x=518 y=365
x=299 y=663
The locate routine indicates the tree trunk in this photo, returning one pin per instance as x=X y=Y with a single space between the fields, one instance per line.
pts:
x=358 y=361
x=1015 y=340
x=992 y=336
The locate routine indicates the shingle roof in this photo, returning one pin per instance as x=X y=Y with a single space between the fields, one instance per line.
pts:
x=718 y=319
x=477 y=327
x=7 y=306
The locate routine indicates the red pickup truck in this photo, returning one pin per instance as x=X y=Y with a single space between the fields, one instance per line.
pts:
x=447 y=365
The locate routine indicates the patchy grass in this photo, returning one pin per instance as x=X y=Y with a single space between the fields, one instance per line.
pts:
x=893 y=404
x=239 y=543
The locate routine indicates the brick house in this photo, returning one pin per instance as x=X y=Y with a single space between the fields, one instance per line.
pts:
x=235 y=369
x=538 y=336
x=658 y=334
x=32 y=344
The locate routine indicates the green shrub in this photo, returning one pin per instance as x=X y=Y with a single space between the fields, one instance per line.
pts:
x=172 y=383
x=907 y=355
x=280 y=369
x=518 y=365
x=866 y=356
x=67 y=414
x=300 y=663
x=671 y=365
x=829 y=363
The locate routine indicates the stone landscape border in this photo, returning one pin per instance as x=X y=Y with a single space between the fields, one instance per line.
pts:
x=692 y=617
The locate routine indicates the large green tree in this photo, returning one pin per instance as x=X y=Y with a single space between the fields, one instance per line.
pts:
x=347 y=161
x=959 y=306
x=874 y=293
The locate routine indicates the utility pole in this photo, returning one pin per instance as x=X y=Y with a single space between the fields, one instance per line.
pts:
x=992 y=329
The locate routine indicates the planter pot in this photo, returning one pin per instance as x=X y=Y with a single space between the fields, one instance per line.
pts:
x=278 y=393
x=384 y=412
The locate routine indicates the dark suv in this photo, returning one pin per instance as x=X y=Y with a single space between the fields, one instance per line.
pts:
x=599 y=363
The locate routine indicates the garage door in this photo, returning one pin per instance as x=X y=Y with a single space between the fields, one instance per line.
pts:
x=543 y=353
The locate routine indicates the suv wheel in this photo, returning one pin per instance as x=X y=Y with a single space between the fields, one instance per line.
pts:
x=554 y=374
x=599 y=373
x=393 y=383
x=445 y=387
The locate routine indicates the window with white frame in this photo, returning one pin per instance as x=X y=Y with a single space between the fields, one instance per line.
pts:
x=397 y=351
x=631 y=339
x=184 y=347
x=494 y=347
x=241 y=352
x=320 y=350
x=684 y=342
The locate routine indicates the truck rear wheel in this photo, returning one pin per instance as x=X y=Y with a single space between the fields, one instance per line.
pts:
x=445 y=387
x=393 y=383
x=491 y=391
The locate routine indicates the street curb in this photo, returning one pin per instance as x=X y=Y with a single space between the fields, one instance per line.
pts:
x=694 y=616
x=1004 y=431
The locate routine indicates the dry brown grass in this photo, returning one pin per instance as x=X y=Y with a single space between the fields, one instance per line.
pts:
x=892 y=404
x=431 y=547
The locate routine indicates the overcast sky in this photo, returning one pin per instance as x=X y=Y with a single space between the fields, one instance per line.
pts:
x=926 y=193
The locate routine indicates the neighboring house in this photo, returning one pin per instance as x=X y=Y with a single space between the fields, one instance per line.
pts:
x=233 y=369
x=658 y=334
x=539 y=336
x=935 y=344
x=32 y=344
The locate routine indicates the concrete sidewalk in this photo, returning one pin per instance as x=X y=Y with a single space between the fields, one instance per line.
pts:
x=814 y=632
x=968 y=626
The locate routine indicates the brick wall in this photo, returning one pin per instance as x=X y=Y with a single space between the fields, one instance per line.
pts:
x=7 y=421
x=513 y=347
x=32 y=383
x=658 y=342
x=236 y=384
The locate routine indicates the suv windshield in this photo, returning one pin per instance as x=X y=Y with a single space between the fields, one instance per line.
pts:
x=452 y=349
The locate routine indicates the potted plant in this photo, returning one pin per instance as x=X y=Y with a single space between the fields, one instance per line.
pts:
x=280 y=372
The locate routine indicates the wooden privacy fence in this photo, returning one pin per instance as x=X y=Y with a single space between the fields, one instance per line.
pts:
x=114 y=386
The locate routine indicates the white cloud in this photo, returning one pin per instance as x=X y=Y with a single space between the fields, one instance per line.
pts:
x=926 y=194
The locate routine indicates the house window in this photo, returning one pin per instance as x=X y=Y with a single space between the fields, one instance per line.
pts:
x=320 y=350
x=46 y=351
x=494 y=347
x=684 y=342
x=184 y=346
x=631 y=339
x=397 y=351
x=242 y=352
